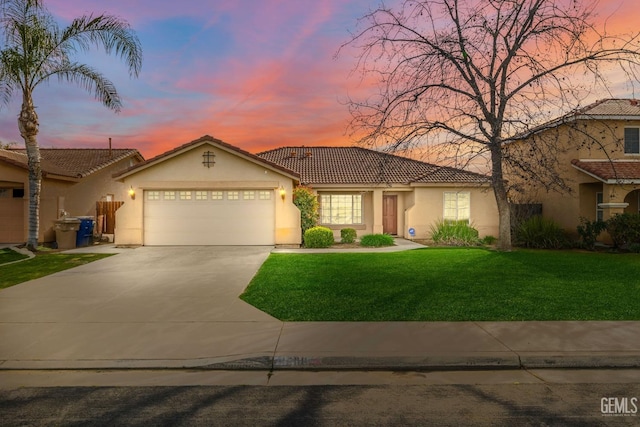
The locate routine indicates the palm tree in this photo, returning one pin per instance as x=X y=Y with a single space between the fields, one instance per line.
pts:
x=34 y=49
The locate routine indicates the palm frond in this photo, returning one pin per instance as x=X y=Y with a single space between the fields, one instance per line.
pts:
x=90 y=80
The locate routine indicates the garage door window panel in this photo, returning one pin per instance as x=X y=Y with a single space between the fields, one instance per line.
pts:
x=217 y=195
x=153 y=195
x=202 y=195
x=169 y=195
x=233 y=195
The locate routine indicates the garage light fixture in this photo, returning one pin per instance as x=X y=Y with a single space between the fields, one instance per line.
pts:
x=132 y=192
x=208 y=159
x=283 y=193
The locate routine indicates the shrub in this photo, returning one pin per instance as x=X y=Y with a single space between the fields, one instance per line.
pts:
x=624 y=229
x=489 y=240
x=318 y=237
x=541 y=233
x=454 y=233
x=376 y=240
x=307 y=203
x=348 y=235
x=589 y=231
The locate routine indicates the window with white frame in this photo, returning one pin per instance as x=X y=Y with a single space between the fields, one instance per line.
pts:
x=599 y=210
x=631 y=140
x=457 y=206
x=340 y=209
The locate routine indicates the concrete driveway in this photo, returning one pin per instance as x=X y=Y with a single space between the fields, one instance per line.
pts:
x=149 y=305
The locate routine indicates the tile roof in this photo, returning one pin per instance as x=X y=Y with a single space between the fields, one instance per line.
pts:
x=628 y=109
x=611 y=107
x=203 y=139
x=356 y=165
x=71 y=162
x=616 y=170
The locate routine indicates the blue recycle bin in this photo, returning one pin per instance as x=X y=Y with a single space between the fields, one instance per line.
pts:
x=85 y=232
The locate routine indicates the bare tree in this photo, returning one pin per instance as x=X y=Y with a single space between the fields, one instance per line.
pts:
x=467 y=76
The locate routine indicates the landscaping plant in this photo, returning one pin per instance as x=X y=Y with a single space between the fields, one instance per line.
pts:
x=348 y=235
x=454 y=233
x=589 y=231
x=539 y=232
x=307 y=203
x=376 y=240
x=318 y=237
x=624 y=229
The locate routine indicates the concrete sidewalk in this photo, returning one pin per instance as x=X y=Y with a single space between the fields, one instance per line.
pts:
x=178 y=308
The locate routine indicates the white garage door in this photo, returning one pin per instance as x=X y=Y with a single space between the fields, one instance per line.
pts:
x=209 y=217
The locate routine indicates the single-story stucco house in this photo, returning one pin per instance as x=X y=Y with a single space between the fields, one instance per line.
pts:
x=73 y=180
x=208 y=192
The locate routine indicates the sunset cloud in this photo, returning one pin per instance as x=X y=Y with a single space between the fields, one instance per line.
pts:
x=257 y=74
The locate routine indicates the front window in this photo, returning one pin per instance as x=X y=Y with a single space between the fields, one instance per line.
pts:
x=340 y=209
x=599 y=210
x=631 y=140
x=457 y=206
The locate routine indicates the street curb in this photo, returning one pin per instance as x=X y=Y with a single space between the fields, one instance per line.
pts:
x=345 y=363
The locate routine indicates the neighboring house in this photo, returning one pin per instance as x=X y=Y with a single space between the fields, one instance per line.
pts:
x=73 y=180
x=375 y=192
x=598 y=159
x=208 y=192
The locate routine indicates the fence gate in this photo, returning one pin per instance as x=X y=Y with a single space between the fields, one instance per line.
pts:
x=106 y=216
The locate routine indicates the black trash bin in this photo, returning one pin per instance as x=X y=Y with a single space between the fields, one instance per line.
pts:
x=85 y=232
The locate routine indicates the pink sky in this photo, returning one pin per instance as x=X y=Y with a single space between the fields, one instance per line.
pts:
x=256 y=74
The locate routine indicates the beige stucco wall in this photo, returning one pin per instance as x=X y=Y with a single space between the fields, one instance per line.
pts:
x=428 y=207
x=185 y=171
x=567 y=207
x=418 y=208
x=77 y=198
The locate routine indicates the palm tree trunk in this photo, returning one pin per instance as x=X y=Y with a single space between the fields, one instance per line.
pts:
x=29 y=126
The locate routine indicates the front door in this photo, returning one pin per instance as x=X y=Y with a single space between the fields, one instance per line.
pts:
x=390 y=214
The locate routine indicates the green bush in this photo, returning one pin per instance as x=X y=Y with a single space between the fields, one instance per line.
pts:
x=541 y=233
x=307 y=203
x=489 y=240
x=624 y=229
x=376 y=240
x=348 y=235
x=589 y=232
x=318 y=237
x=454 y=233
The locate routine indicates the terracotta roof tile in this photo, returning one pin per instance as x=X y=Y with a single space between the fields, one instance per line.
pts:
x=75 y=162
x=356 y=165
x=610 y=170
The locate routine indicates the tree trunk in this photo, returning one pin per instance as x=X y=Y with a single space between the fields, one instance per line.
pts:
x=29 y=126
x=500 y=193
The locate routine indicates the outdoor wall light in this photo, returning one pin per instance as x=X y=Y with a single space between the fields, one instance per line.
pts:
x=132 y=193
x=283 y=193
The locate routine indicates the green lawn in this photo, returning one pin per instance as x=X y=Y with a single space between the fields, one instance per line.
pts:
x=449 y=285
x=43 y=265
x=8 y=255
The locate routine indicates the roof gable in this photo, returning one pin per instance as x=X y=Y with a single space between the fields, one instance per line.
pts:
x=605 y=109
x=71 y=162
x=357 y=165
x=206 y=139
